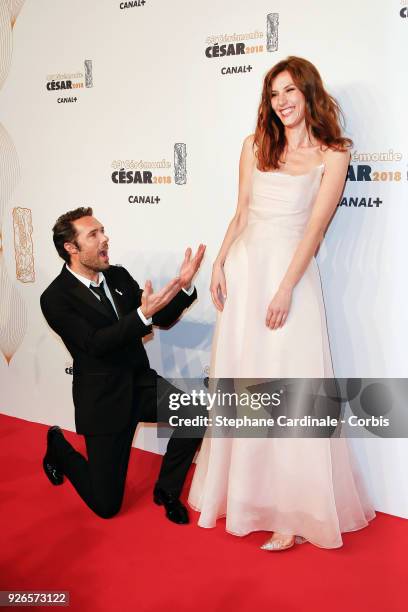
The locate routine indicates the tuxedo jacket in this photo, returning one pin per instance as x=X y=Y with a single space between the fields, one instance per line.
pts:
x=109 y=358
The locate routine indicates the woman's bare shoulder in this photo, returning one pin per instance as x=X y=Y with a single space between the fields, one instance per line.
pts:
x=249 y=147
x=248 y=154
x=249 y=141
x=336 y=157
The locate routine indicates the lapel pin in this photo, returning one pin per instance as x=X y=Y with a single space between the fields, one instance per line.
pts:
x=117 y=291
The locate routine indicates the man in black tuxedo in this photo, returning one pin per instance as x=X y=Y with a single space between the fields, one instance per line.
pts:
x=101 y=314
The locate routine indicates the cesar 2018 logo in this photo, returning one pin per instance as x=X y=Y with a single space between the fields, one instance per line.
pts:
x=226 y=45
x=67 y=82
x=141 y=172
x=361 y=170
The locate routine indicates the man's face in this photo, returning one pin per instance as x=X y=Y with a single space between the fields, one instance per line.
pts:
x=92 y=251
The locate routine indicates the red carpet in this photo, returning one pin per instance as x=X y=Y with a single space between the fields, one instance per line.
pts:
x=140 y=561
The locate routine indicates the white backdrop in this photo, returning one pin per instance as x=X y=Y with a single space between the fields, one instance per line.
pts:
x=148 y=84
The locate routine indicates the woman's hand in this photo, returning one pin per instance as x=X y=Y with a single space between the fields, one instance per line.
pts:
x=278 y=309
x=218 y=286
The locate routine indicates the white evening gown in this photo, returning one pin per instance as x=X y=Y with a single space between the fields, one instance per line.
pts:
x=308 y=487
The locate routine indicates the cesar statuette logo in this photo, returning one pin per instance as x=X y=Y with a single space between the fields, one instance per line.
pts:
x=70 y=83
x=242 y=45
x=160 y=174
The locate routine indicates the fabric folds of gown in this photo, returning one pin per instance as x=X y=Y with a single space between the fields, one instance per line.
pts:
x=309 y=487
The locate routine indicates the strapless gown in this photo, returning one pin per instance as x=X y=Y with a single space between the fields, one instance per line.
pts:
x=308 y=487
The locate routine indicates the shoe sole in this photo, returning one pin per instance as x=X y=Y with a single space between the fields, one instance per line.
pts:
x=278 y=549
x=49 y=478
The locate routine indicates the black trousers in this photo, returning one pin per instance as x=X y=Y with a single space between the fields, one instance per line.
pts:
x=100 y=480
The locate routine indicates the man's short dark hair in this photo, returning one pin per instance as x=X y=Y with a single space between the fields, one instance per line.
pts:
x=64 y=230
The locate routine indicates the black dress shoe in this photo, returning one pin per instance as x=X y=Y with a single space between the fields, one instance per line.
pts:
x=50 y=464
x=175 y=510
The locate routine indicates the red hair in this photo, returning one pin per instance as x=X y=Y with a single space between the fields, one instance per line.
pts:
x=322 y=113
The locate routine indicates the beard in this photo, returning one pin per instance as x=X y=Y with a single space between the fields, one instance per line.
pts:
x=96 y=262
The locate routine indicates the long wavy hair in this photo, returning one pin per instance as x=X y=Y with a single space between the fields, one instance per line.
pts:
x=323 y=114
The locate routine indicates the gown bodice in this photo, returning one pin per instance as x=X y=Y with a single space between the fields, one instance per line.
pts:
x=284 y=200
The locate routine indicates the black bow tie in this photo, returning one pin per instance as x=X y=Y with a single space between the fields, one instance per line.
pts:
x=105 y=301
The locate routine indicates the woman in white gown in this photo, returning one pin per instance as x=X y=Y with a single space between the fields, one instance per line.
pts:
x=271 y=322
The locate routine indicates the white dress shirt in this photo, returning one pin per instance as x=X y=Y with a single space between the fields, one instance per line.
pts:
x=88 y=283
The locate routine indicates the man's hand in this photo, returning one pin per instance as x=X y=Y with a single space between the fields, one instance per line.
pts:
x=153 y=302
x=190 y=266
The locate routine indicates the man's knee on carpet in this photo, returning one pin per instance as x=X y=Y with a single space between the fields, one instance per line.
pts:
x=107 y=509
x=107 y=502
